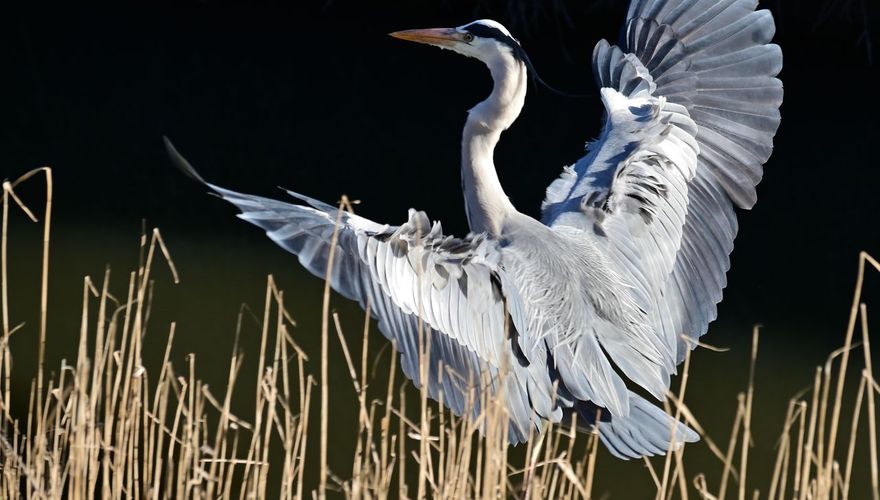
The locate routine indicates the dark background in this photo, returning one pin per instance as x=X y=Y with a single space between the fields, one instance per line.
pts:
x=315 y=97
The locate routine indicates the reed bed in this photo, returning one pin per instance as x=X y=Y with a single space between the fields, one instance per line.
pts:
x=108 y=426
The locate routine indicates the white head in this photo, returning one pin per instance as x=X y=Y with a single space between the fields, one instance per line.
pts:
x=485 y=39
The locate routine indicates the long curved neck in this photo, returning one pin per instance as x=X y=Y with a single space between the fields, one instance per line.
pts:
x=485 y=202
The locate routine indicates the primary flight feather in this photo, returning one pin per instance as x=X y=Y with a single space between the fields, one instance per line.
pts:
x=626 y=266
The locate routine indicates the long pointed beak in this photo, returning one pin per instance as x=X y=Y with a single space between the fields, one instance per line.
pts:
x=444 y=37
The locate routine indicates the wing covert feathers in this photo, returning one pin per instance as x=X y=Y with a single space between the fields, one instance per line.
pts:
x=709 y=68
x=715 y=58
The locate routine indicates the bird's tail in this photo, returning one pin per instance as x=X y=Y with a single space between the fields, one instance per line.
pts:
x=645 y=432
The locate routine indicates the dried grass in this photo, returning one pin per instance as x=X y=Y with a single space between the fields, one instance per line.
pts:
x=110 y=427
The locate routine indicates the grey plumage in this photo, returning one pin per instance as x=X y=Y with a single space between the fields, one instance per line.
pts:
x=628 y=263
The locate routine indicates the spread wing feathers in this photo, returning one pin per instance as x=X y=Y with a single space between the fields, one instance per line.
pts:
x=714 y=58
x=411 y=274
x=631 y=192
x=645 y=432
x=417 y=280
x=705 y=70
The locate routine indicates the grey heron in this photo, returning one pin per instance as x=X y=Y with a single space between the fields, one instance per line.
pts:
x=605 y=294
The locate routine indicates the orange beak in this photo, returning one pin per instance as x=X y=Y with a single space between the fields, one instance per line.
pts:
x=444 y=37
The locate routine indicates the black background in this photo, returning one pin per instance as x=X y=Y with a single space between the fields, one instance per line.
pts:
x=315 y=97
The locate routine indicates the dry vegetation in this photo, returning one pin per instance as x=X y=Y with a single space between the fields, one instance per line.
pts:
x=109 y=426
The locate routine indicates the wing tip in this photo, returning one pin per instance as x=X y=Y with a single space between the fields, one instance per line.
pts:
x=180 y=162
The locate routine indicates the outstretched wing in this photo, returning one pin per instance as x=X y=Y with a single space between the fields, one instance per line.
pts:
x=452 y=290
x=692 y=107
x=412 y=274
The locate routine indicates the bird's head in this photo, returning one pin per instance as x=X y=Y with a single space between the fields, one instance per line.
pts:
x=485 y=39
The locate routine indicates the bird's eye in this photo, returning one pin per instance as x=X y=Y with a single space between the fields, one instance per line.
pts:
x=468 y=37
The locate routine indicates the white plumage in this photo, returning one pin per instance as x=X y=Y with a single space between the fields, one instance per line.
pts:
x=609 y=289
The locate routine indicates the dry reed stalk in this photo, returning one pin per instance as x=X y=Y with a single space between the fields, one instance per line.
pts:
x=325 y=338
x=691 y=420
x=780 y=467
x=807 y=459
x=747 y=417
x=869 y=378
x=850 y=329
x=799 y=456
x=731 y=445
x=108 y=426
x=850 y=455
x=674 y=449
x=591 y=465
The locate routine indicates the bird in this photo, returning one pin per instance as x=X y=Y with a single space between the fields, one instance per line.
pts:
x=586 y=312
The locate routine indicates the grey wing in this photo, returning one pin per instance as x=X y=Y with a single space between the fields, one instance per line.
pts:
x=413 y=274
x=709 y=66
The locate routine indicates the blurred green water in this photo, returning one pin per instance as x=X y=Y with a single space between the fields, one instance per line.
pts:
x=219 y=272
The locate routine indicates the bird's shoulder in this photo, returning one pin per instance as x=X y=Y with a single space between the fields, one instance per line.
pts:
x=564 y=267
